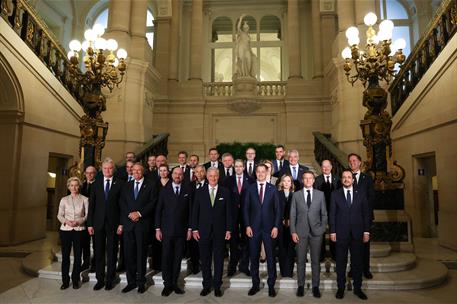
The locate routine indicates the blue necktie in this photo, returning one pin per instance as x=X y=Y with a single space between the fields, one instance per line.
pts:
x=177 y=191
x=136 y=190
x=348 y=198
x=294 y=173
x=107 y=189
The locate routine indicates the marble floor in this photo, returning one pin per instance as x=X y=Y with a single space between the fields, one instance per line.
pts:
x=17 y=287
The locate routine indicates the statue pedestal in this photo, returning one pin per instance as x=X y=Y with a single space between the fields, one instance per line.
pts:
x=244 y=99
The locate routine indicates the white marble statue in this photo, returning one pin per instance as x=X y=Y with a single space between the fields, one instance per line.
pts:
x=245 y=58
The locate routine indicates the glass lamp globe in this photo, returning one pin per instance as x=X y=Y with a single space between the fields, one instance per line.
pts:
x=400 y=43
x=346 y=53
x=354 y=40
x=90 y=35
x=98 y=29
x=121 y=54
x=100 y=44
x=111 y=44
x=370 y=19
x=352 y=32
x=75 y=45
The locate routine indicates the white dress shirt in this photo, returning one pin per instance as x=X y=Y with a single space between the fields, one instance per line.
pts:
x=329 y=178
x=215 y=190
x=264 y=186
x=110 y=182
x=346 y=193
x=357 y=177
x=305 y=193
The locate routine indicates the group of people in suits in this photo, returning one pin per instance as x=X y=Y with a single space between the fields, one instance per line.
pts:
x=251 y=211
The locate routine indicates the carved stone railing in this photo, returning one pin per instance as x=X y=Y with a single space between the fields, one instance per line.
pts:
x=225 y=89
x=157 y=145
x=440 y=30
x=325 y=149
x=25 y=21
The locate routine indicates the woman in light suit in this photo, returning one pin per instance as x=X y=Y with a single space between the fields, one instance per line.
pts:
x=72 y=215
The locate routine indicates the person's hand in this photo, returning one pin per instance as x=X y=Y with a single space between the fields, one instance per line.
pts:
x=90 y=230
x=189 y=234
x=119 y=230
x=287 y=223
x=134 y=216
x=274 y=232
x=196 y=235
x=227 y=235
x=333 y=237
x=159 y=235
x=249 y=232
x=295 y=238
x=366 y=237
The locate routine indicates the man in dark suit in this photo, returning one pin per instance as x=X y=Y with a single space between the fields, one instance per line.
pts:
x=279 y=162
x=214 y=162
x=238 y=184
x=263 y=216
x=182 y=163
x=364 y=182
x=327 y=182
x=151 y=166
x=121 y=172
x=349 y=228
x=251 y=163
x=211 y=225
x=172 y=227
x=228 y=171
x=154 y=176
x=193 y=162
x=294 y=169
x=104 y=224
x=86 y=188
x=137 y=204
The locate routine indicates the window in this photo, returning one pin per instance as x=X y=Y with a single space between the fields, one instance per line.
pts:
x=266 y=45
x=396 y=11
x=102 y=18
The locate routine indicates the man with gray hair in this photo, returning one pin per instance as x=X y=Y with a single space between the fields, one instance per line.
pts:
x=86 y=188
x=294 y=169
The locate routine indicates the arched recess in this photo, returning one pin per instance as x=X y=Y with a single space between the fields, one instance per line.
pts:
x=11 y=123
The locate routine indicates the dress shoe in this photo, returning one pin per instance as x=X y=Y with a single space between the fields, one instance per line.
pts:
x=92 y=269
x=231 y=272
x=368 y=275
x=217 y=293
x=205 y=292
x=166 y=291
x=120 y=268
x=300 y=291
x=64 y=286
x=339 y=293
x=178 y=290
x=253 y=291
x=360 y=294
x=350 y=273
x=109 y=286
x=76 y=285
x=99 y=285
x=316 y=292
x=128 y=288
x=271 y=292
x=262 y=261
x=141 y=288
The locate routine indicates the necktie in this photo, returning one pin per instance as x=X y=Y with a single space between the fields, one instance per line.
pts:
x=354 y=176
x=136 y=190
x=294 y=174
x=261 y=193
x=308 y=198
x=228 y=172
x=214 y=165
x=250 y=169
x=280 y=165
x=239 y=184
x=177 y=191
x=107 y=189
x=328 y=180
x=183 y=169
x=193 y=175
x=348 y=198
x=211 y=197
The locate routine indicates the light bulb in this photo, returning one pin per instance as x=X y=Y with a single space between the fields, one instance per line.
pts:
x=90 y=35
x=370 y=19
x=352 y=32
x=346 y=53
x=70 y=54
x=111 y=44
x=375 y=39
x=85 y=45
x=75 y=45
x=354 y=40
x=400 y=43
x=98 y=29
x=116 y=62
x=100 y=44
x=121 y=54
x=384 y=34
x=386 y=25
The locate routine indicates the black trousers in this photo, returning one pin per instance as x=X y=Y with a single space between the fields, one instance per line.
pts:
x=71 y=239
x=234 y=246
x=172 y=254
x=244 y=251
x=193 y=254
x=106 y=243
x=356 y=249
x=212 y=248
x=286 y=252
x=254 y=250
x=324 y=250
x=85 y=250
x=366 y=257
x=135 y=253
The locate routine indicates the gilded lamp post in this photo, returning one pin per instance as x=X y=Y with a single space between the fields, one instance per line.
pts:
x=102 y=70
x=376 y=62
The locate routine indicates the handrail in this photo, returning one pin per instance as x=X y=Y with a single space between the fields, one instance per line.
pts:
x=325 y=149
x=440 y=30
x=26 y=22
x=158 y=144
x=263 y=88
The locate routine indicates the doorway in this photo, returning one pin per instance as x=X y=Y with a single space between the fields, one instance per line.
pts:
x=426 y=193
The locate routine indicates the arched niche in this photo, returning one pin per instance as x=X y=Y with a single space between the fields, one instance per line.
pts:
x=221 y=29
x=270 y=28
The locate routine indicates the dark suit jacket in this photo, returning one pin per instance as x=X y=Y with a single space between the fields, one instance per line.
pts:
x=87 y=188
x=172 y=214
x=276 y=173
x=253 y=176
x=301 y=169
x=238 y=198
x=262 y=217
x=144 y=204
x=366 y=184
x=121 y=173
x=105 y=212
x=223 y=179
x=220 y=166
x=286 y=203
x=349 y=220
x=208 y=220
x=320 y=184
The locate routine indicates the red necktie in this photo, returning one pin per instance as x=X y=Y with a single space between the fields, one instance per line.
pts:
x=261 y=193
x=239 y=184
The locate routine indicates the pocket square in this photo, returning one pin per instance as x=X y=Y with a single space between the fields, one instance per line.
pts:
x=186 y=195
x=221 y=198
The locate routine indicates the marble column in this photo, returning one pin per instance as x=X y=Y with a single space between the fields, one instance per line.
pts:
x=317 y=38
x=293 y=39
x=174 y=39
x=119 y=22
x=139 y=47
x=196 y=40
